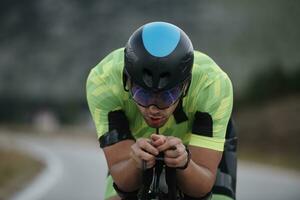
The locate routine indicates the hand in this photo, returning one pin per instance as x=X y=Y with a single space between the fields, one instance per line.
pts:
x=143 y=150
x=175 y=154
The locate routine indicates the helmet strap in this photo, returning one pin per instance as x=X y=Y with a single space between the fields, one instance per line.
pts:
x=186 y=86
x=125 y=82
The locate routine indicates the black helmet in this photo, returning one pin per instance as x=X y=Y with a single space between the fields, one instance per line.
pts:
x=158 y=56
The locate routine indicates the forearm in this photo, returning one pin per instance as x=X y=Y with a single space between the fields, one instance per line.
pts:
x=126 y=175
x=195 y=180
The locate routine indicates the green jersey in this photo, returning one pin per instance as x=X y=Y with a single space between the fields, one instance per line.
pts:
x=201 y=119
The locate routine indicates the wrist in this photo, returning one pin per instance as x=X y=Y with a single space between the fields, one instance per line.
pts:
x=187 y=161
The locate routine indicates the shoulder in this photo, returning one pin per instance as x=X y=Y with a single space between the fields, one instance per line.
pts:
x=202 y=58
x=109 y=70
x=209 y=85
x=206 y=71
x=114 y=61
x=105 y=79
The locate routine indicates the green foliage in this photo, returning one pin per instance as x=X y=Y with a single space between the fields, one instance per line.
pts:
x=271 y=83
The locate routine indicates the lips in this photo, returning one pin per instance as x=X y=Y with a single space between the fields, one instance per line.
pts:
x=156 y=120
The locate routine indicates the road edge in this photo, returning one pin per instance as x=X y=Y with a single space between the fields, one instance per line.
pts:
x=44 y=181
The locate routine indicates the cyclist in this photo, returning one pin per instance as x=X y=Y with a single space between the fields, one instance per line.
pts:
x=159 y=81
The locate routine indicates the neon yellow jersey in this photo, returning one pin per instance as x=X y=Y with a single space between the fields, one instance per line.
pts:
x=210 y=93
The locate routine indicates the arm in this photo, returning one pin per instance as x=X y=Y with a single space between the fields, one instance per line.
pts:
x=207 y=138
x=111 y=123
x=199 y=177
x=122 y=168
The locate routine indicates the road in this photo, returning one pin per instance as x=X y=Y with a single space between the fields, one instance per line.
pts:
x=76 y=171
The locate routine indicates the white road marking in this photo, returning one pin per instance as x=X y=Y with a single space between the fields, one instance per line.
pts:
x=45 y=180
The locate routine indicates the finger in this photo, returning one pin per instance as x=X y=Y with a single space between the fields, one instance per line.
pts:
x=176 y=151
x=146 y=145
x=143 y=164
x=154 y=136
x=139 y=154
x=176 y=162
x=180 y=149
x=170 y=143
x=171 y=154
x=158 y=140
x=150 y=164
x=143 y=155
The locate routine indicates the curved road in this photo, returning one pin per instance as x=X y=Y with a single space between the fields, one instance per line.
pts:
x=76 y=170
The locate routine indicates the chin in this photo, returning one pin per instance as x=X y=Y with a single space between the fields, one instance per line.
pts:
x=154 y=125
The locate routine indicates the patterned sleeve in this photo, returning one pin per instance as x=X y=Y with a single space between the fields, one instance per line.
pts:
x=101 y=90
x=211 y=119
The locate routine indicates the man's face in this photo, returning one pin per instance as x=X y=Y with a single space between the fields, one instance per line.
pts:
x=155 y=117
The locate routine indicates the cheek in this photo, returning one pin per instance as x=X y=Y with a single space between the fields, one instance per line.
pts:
x=169 y=112
x=142 y=110
x=172 y=109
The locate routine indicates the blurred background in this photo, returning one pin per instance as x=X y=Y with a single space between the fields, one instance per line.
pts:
x=48 y=47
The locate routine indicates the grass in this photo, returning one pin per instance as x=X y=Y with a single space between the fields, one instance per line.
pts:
x=16 y=170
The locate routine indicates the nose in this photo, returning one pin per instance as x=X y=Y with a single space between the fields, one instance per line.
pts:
x=153 y=110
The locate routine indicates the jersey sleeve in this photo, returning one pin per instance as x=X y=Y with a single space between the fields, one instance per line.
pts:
x=103 y=95
x=211 y=119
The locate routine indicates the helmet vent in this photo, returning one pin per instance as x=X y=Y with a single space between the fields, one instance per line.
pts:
x=147 y=78
x=165 y=74
x=163 y=80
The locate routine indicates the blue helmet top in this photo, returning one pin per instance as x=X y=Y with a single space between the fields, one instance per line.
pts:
x=160 y=38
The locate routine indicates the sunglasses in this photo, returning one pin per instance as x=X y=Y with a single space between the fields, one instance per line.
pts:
x=162 y=100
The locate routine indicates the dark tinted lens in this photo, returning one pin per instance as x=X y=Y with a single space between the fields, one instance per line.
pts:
x=168 y=97
x=140 y=95
x=163 y=99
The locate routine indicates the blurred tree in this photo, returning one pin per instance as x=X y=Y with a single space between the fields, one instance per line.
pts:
x=272 y=83
x=20 y=18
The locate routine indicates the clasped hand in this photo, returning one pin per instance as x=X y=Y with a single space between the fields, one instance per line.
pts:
x=144 y=149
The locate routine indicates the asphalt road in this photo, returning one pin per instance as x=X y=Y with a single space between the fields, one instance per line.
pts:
x=76 y=170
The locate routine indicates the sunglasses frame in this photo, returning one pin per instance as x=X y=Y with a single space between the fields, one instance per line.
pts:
x=182 y=94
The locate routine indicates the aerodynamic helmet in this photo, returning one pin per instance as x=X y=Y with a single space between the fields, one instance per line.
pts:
x=158 y=56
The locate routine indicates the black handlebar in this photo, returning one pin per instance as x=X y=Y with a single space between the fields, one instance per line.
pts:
x=152 y=179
